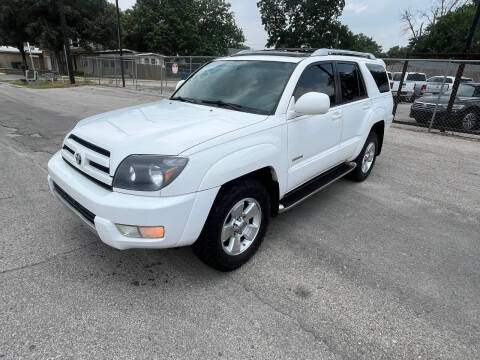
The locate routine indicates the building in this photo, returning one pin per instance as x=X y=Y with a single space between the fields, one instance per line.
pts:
x=11 y=58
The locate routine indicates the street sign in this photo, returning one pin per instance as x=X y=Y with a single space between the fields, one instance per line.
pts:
x=174 y=68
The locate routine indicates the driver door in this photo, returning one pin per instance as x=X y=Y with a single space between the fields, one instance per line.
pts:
x=314 y=140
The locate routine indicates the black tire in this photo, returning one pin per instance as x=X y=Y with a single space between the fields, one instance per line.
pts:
x=469 y=121
x=209 y=246
x=359 y=174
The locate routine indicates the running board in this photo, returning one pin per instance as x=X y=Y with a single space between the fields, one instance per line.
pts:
x=314 y=185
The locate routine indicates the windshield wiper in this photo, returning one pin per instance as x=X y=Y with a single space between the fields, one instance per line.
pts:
x=188 y=100
x=224 y=104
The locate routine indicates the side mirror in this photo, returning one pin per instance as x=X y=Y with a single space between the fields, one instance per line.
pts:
x=312 y=103
x=180 y=83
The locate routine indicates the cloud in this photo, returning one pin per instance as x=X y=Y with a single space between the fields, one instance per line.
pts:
x=356 y=7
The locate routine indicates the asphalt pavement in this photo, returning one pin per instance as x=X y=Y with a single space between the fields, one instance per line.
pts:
x=385 y=269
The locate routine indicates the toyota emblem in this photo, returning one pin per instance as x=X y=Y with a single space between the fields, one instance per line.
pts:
x=78 y=158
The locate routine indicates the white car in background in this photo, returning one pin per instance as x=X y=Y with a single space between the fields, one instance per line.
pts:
x=244 y=138
x=414 y=85
x=434 y=84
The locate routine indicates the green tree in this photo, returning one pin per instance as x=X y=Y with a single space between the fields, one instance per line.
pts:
x=301 y=23
x=397 y=52
x=344 y=38
x=15 y=19
x=186 y=27
x=449 y=33
x=89 y=22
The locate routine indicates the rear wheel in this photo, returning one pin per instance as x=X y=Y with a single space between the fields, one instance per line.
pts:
x=366 y=159
x=235 y=227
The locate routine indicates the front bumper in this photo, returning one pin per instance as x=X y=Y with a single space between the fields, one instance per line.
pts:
x=182 y=216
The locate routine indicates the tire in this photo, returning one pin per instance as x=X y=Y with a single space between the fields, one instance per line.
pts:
x=226 y=253
x=366 y=159
x=469 y=121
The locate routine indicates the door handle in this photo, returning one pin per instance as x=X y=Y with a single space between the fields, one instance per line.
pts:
x=367 y=106
x=337 y=115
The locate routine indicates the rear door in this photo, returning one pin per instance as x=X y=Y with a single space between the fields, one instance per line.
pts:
x=354 y=104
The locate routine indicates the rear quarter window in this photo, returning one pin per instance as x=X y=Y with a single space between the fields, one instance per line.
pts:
x=380 y=76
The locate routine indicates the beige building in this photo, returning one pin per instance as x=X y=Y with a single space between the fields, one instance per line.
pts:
x=11 y=58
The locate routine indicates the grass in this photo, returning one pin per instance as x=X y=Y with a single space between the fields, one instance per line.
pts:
x=45 y=84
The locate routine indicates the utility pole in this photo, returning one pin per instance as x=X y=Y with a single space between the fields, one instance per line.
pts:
x=119 y=30
x=66 y=45
x=461 y=67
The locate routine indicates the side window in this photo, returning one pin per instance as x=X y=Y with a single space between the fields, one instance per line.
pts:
x=317 y=78
x=351 y=82
x=380 y=77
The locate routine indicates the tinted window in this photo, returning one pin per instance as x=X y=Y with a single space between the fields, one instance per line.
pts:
x=253 y=86
x=350 y=82
x=416 y=77
x=397 y=76
x=317 y=78
x=435 y=79
x=380 y=77
x=389 y=76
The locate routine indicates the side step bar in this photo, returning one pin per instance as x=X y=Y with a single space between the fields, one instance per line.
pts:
x=314 y=185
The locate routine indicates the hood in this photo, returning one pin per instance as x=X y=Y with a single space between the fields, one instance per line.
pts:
x=165 y=127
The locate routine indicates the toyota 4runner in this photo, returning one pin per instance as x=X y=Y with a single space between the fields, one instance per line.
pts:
x=244 y=138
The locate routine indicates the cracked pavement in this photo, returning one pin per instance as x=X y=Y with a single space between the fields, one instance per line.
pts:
x=386 y=269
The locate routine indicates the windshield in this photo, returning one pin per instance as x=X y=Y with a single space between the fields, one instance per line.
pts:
x=464 y=91
x=416 y=77
x=250 y=86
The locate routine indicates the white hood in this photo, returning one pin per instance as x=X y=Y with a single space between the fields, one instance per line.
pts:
x=165 y=127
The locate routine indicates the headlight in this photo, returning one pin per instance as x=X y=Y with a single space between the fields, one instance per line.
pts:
x=458 y=107
x=148 y=172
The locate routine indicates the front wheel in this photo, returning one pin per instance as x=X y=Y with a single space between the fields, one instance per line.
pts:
x=235 y=227
x=366 y=159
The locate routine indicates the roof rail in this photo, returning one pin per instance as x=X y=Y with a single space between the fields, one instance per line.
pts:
x=325 y=52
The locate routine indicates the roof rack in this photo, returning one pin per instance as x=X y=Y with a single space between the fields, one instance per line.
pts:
x=304 y=52
x=325 y=52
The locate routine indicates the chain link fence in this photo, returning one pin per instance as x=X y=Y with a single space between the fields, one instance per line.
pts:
x=153 y=73
x=423 y=96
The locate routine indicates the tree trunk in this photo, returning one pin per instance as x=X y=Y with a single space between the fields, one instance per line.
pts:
x=24 y=56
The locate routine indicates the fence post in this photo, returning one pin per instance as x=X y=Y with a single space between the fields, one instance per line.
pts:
x=447 y=67
x=98 y=70
x=399 y=90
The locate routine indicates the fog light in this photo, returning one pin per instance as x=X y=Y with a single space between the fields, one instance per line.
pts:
x=128 y=230
x=141 y=231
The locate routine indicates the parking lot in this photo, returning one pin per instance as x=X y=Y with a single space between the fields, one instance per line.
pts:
x=385 y=269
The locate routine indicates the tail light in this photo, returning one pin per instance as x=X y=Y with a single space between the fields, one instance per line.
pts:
x=424 y=87
x=391 y=85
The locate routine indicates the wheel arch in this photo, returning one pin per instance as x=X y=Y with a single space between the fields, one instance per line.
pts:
x=267 y=176
x=379 y=129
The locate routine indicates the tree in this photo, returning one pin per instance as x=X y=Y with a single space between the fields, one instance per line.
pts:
x=300 y=23
x=346 y=39
x=89 y=22
x=417 y=21
x=397 y=52
x=187 y=27
x=15 y=18
x=449 y=33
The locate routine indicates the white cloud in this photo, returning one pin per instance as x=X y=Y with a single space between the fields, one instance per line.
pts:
x=356 y=7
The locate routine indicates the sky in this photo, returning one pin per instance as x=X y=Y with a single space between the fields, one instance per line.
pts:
x=379 y=19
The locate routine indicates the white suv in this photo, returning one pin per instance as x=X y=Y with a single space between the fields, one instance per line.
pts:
x=244 y=138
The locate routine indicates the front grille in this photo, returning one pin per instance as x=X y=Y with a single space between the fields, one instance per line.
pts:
x=425 y=106
x=86 y=214
x=91 y=160
x=89 y=145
